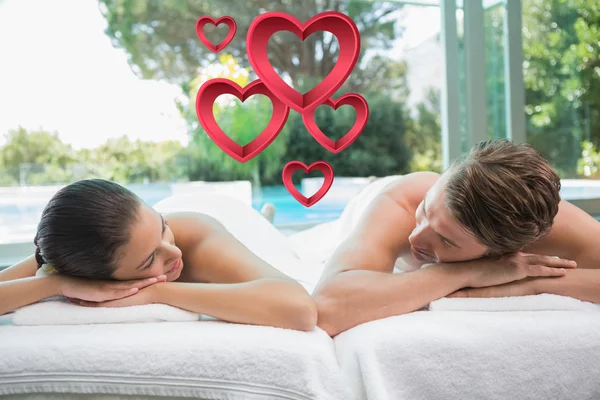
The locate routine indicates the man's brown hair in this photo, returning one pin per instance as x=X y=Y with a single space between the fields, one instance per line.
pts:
x=505 y=194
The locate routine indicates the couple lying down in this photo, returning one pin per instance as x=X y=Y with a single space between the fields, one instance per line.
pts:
x=492 y=225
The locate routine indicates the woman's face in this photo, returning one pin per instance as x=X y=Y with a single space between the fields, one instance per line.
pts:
x=438 y=237
x=151 y=251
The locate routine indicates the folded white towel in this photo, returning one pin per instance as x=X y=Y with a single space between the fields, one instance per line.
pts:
x=474 y=355
x=208 y=360
x=59 y=311
x=540 y=302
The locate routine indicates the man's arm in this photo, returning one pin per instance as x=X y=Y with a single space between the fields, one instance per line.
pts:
x=358 y=285
x=575 y=235
x=582 y=284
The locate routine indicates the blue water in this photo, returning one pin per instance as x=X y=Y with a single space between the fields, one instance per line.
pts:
x=289 y=211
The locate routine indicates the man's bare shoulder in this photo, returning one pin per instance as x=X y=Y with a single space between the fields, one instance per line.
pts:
x=574 y=236
x=410 y=189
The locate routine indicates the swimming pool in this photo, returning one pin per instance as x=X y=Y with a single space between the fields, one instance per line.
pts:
x=289 y=211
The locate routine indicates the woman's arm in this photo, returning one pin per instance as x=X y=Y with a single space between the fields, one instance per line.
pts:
x=19 y=286
x=239 y=286
x=22 y=269
x=265 y=301
x=24 y=291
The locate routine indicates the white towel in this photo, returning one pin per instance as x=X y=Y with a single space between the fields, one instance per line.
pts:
x=467 y=355
x=540 y=302
x=57 y=311
x=208 y=360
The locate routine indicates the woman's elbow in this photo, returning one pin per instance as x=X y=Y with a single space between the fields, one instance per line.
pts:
x=303 y=315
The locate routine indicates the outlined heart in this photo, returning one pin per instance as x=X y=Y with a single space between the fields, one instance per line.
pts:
x=294 y=166
x=230 y=22
x=340 y=25
x=205 y=99
x=362 y=115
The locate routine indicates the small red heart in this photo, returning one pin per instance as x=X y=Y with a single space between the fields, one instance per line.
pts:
x=205 y=99
x=362 y=115
x=230 y=22
x=340 y=25
x=294 y=166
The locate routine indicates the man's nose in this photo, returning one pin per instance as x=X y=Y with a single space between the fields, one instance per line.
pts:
x=418 y=235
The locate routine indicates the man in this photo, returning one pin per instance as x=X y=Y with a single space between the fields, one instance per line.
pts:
x=493 y=223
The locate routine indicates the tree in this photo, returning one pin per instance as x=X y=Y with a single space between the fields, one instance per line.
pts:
x=424 y=139
x=26 y=152
x=242 y=122
x=380 y=149
x=125 y=161
x=560 y=45
x=39 y=157
x=160 y=40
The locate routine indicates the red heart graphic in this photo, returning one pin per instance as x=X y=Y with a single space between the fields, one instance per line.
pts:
x=205 y=99
x=362 y=115
x=265 y=25
x=230 y=22
x=294 y=166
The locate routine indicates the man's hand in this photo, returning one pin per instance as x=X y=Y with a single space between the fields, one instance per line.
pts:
x=486 y=272
x=144 y=296
x=524 y=287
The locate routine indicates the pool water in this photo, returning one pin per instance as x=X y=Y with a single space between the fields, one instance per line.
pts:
x=289 y=211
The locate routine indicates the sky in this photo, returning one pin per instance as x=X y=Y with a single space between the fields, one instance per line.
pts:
x=60 y=72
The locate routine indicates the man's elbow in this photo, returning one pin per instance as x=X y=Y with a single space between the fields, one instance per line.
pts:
x=328 y=315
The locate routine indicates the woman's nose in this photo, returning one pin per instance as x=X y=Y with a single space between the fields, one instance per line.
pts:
x=172 y=252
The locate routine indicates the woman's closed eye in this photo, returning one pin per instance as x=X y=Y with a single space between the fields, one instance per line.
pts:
x=164 y=228
x=151 y=261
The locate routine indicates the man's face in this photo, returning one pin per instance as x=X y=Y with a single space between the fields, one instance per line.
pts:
x=438 y=237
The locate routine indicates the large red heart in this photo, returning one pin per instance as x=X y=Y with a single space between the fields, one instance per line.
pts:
x=294 y=166
x=362 y=115
x=205 y=99
x=230 y=22
x=265 y=25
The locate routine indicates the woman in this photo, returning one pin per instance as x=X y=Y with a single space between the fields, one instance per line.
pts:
x=110 y=249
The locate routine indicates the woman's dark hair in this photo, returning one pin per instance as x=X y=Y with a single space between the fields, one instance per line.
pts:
x=83 y=226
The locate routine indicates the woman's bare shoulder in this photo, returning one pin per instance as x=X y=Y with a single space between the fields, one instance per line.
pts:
x=190 y=228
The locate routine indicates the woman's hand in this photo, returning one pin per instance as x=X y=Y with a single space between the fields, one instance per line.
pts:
x=99 y=291
x=142 y=297
x=515 y=267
